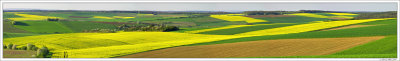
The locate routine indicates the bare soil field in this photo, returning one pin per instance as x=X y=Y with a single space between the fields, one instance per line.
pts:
x=18 y=53
x=262 y=48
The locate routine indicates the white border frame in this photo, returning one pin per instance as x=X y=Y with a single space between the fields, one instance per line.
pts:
x=204 y=59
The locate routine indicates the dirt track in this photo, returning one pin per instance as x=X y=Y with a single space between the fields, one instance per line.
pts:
x=263 y=48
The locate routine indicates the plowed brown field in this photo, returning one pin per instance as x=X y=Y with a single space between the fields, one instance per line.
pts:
x=263 y=48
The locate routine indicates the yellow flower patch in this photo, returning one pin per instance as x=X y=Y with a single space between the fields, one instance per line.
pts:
x=31 y=17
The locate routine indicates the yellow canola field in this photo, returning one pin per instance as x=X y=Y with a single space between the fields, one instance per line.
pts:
x=121 y=50
x=114 y=17
x=106 y=45
x=318 y=16
x=305 y=27
x=31 y=17
x=228 y=27
x=228 y=17
x=97 y=45
x=343 y=14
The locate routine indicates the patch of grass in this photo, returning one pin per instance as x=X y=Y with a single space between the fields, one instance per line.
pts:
x=11 y=35
x=232 y=31
x=43 y=27
x=9 y=15
x=340 y=56
x=182 y=30
x=205 y=22
x=386 y=45
x=296 y=19
x=79 y=26
x=380 y=30
x=383 y=48
x=8 y=27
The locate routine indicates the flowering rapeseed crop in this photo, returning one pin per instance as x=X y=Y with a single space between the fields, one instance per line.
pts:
x=305 y=27
x=230 y=17
x=228 y=27
x=31 y=17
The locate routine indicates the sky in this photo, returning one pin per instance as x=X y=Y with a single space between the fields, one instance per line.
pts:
x=208 y=6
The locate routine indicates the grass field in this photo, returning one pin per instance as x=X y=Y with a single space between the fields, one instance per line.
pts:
x=11 y=35
x=338 y=15
x=9 y=27
x=297 y=19
x=381 y=30
x=237 y=30
x=43 y=27
x=200 y=22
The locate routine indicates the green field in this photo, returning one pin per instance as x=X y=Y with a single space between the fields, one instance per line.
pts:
x=244 y=29
x=296 y=19
x=79 y=26
x=43 y=27
x=11 y=35
x=10 y=28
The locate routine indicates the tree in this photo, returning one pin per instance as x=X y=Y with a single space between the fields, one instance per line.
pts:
x=10 y=46
x=29 y=46
x=14 y=47
x=42 y=52
x=52 y=19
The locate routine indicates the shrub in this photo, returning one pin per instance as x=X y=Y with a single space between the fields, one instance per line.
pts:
x=171 y=28
x=10 y=46
x=52 y=19
x=34 y=48
x=42 y=52
x=29 y=46
x=14 y=47
x=4 y=47
x=23 y=48
x=101 y=31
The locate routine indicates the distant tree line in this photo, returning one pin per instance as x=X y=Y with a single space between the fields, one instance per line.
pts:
x=142 y=27
x=282 y=12
x=97 y=30
x=267 y=12
x=136 y=27
x=375 y=15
